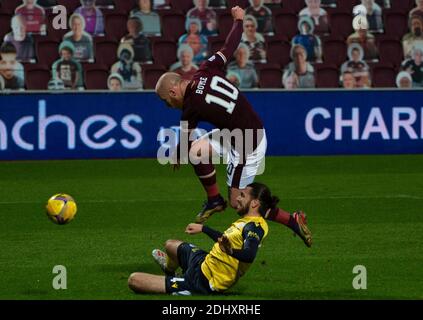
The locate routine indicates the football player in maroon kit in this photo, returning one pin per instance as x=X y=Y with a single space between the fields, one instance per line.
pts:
x=210 y=97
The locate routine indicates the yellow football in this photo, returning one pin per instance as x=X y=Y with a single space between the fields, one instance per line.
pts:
x=61 y=208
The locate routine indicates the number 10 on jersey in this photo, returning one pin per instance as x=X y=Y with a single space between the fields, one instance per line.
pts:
x=229 y=91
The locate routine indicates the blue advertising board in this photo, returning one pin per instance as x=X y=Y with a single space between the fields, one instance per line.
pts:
x=128 y=125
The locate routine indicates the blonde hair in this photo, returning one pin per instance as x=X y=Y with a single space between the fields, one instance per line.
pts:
x=249 y=17
x=295 y=46
x=77 y=16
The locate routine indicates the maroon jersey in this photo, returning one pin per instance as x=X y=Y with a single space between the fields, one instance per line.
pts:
x=210 y=97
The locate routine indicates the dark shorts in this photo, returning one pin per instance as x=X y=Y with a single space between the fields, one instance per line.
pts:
x=193 y=280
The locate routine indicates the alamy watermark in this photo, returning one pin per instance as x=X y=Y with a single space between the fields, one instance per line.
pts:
x=360 y=280
x=60 y=281
x=181 y=145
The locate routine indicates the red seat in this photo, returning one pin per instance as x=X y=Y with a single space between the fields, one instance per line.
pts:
x=96 y=79
x=115 y=26
x=341 y=24
x=293 y=5
x=47 y=52
x=270 y=76
x=164 y=51
x=4 y=25
x=286 y=24
x=151 y=74
x=125 y=6
x=37 y=79
x=383 y=76
x=278 y=50
x=403 y=5
x=224 y=22
x=9 y=6
x=105 y=52
x=396 y=23
x=182 y=5
x=334 y=51
x=70 y=5
x=173 y=24
x=327 y=76
x=390 y=51
x=347 y=6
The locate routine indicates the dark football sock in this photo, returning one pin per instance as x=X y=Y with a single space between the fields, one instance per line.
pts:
x=280 y=216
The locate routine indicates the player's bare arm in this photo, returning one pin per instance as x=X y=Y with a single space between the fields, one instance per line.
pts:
x=194 y=228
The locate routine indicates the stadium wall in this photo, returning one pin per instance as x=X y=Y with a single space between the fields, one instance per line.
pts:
x=40 y=126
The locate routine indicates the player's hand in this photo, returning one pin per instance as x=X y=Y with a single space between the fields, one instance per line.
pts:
x=238 y=13
x=225 y=245
x=194 y=228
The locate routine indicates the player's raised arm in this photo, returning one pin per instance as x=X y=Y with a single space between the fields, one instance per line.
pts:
x=234 y=37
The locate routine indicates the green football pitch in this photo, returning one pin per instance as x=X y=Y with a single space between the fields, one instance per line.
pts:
x=363 y=210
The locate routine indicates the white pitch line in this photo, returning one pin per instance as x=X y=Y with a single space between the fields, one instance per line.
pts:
x=358 y=197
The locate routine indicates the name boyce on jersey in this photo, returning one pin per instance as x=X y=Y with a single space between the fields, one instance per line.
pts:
x=201 y=85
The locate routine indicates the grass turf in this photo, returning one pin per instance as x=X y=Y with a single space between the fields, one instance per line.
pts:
x=363 y=210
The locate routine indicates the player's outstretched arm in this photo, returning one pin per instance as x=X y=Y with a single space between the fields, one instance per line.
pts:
x=195 y=228
x=234 y=37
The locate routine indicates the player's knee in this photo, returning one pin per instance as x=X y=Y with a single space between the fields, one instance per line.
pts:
x=170 y=244
x=133 y=282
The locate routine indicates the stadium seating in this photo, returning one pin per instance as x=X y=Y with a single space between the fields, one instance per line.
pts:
x=293 y=5
x=390 y=50
x=396 y=23
x=173 y=24
x=286 y=24
x=105 y=51
x=347 y=6
x=47 y=52
x=383 y=75
x=341 y=24
x=334 y=51
x=278 y=50
x=4 y=25
x=164 y=51
x=115 y=26
x=151 y=74
x=70 y=5
x=9 y=6
x=37 y=78
x=125 y=6
x=96 y=78
x=182 y=5
x=278 y=46
x=403 y=5
x=270 y=76
x=326 y=75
